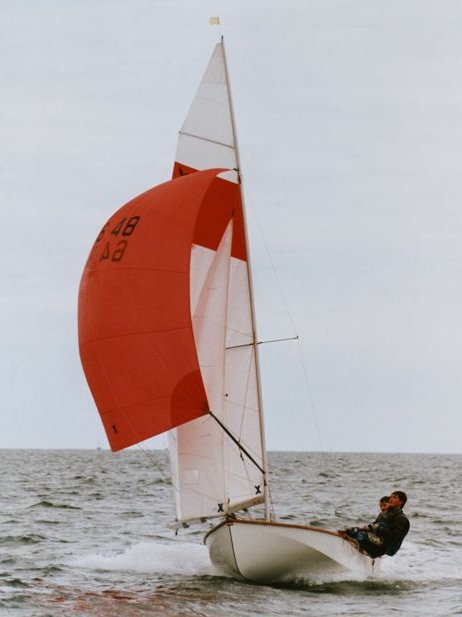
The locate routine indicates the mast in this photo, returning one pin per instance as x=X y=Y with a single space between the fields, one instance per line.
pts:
x=251 y=292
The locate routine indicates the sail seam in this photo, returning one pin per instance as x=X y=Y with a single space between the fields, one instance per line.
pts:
x=134 y=333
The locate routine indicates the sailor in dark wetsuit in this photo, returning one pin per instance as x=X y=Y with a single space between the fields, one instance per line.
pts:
x=385 y=535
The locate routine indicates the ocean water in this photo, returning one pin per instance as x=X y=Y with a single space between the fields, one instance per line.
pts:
x=87 y=533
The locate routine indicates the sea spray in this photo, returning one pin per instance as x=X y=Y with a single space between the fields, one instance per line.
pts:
x=183 y=558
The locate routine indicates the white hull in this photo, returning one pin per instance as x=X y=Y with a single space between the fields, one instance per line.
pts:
x=269 y=552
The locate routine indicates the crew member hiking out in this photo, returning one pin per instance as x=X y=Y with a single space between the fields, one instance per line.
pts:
x=386 y=534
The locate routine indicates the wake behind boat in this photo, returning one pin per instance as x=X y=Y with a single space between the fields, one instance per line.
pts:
x=168 y=342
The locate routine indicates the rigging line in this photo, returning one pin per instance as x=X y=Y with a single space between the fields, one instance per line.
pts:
x=251 y=364
x=310 y=396
x=267 y=484
x=154 y=463
x=246 y=469
x=238 y=406
x=292 y=322
x=274 y=340
x=271 y=501
x=237 y=442
x=226 y=243
x=278 y=340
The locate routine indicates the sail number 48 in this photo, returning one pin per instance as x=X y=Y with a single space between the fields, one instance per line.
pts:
x=125 y=228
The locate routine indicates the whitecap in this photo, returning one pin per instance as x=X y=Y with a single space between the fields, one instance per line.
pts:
x=153 y=557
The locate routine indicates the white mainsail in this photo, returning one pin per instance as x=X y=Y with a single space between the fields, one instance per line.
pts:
x=211 y=474
x=207 y=138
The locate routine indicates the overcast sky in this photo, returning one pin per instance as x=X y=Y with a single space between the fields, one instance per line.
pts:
x=349 y=116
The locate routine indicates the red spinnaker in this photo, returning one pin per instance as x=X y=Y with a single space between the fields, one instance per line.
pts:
x=135 y=329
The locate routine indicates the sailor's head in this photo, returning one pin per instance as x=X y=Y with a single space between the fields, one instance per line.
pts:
x=383 y=503
x=397 y=499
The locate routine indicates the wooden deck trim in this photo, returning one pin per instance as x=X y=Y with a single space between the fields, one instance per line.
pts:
x=237 y=521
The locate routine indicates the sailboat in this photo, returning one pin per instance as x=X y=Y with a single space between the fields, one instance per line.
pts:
x=168 y=342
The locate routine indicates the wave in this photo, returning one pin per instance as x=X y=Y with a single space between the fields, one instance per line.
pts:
x=48 y=504
x=413 y=565
x=153 y=557
x=18 y=540
x=420 y=563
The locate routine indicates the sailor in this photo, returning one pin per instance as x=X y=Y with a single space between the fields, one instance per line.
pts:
x=383 y=507
x=383 y=503
x=385 y=535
